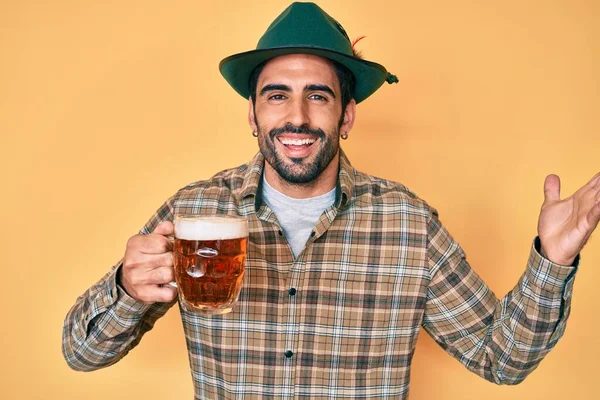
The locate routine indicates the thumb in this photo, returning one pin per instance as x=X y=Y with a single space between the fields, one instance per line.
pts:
x=551 y=189
x=165 y=228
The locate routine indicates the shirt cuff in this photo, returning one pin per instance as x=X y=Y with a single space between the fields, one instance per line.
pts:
x=546 y=274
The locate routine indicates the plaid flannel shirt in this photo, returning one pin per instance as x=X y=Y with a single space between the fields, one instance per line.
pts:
x=377 y=267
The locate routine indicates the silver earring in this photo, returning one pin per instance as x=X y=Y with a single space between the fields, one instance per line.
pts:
x=344 y=135
x=254 y=133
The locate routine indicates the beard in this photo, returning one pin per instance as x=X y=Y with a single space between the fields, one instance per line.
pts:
x=299 y=171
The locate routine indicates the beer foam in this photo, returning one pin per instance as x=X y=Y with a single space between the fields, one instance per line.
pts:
x=210 y=228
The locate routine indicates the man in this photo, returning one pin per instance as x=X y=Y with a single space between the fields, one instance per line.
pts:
x=343 y=268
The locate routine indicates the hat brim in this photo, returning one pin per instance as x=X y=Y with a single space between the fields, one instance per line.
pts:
x=236 y=69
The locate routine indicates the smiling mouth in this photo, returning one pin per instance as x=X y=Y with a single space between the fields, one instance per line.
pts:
x=287 y=142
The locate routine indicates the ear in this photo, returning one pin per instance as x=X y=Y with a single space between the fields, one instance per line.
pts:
x=349 y=115
x=251 y=118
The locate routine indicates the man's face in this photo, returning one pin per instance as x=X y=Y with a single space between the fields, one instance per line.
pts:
x=298 y=116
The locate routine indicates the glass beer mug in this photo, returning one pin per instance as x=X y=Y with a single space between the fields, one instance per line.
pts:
x=209 y=256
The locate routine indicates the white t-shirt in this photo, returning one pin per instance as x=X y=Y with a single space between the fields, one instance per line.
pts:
x=297 y=217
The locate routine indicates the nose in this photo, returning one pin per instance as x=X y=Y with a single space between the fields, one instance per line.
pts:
x=298 y=113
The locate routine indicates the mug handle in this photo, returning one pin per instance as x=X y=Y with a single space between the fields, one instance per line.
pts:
x=172 y=284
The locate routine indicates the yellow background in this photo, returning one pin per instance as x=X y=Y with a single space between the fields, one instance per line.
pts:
x=108 y=107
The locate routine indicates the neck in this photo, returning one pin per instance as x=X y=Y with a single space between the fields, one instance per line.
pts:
x=323 y=184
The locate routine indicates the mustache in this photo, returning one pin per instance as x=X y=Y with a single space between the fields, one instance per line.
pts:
x=291 y=128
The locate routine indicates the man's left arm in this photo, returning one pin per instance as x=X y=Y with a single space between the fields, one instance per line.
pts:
x=504 y=340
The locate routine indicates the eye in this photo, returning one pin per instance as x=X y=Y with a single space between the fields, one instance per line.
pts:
x=317 y=97
x=277 y=97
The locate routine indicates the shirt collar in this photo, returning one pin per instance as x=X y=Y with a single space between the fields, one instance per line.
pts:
x=252 y=181
x=345 y=192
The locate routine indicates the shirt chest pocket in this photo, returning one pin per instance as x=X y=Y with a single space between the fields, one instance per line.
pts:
x=361 y=300
x=348 y=316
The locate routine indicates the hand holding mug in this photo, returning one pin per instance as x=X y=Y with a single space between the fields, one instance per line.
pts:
x=148 y=265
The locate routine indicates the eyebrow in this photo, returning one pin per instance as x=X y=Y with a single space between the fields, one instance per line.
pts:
x=285 y=88
x=275 y=86
x=320 y=88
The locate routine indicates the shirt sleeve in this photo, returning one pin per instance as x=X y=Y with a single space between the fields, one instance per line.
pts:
x=105 y=323
x=500 y=340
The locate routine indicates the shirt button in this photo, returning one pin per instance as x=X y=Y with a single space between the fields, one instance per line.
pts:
x=280 y=232
x=292 y=291
x=313 y=233
x=288 y=353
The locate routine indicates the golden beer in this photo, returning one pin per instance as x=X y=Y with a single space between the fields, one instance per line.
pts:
x=209 y=258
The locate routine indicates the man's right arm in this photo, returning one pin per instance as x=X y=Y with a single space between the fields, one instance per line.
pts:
x=105 y=323
x=111 y=317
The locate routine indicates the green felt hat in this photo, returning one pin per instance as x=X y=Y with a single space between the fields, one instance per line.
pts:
x=307 y=29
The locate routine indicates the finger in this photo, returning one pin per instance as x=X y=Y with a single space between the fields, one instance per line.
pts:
x=594 y=216
x=595 y=181
x=165 y=228
x=149 y=244
x=166 y=294
x=139 y=278
x=159 y=276
x=551 y=189
x=161 y=294
x=147 y=262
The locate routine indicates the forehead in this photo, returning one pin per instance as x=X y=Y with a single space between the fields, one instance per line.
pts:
x=299 y=67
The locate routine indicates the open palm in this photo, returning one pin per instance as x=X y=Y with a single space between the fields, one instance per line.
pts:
x=565 y=225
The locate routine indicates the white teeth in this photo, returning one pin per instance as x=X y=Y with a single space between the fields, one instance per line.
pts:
x=297 y=142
